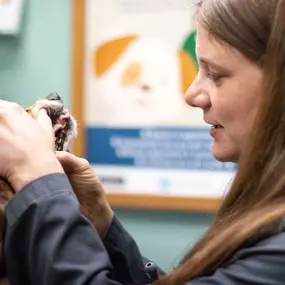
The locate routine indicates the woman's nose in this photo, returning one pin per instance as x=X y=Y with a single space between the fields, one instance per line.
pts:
x=195 y=97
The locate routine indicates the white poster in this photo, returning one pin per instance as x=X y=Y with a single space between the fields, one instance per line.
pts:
x=141 y=135
x=10 y=16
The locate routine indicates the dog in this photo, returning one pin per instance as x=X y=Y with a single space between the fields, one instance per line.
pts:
x=65 y=130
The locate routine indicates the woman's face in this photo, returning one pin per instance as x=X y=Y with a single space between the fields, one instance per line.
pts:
x=228 y=90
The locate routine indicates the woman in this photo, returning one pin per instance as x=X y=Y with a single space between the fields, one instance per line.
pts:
x=240 y=87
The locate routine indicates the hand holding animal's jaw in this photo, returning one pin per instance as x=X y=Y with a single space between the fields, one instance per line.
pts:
x=63 y=124
x=64 y=132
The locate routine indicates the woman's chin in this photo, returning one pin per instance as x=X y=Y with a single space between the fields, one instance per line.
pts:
x=224 y=153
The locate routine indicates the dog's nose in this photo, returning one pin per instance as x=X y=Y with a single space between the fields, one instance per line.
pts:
x=53 y=97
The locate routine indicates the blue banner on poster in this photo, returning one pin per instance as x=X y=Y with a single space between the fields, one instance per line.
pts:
x=159 y=148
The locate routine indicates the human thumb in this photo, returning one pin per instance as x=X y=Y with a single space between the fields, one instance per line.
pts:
x=44 y=120
x=69 y=161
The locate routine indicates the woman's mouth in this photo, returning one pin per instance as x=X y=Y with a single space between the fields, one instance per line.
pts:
x=216 y=130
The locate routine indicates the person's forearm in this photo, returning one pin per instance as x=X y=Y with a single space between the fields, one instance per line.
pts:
x=49 y=242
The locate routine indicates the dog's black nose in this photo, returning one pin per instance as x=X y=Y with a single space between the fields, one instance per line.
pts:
x=53 y=97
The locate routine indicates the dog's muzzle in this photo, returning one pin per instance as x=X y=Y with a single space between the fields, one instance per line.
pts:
x=64 y=125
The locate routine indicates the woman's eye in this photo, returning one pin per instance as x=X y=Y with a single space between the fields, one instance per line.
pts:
x=214 y=76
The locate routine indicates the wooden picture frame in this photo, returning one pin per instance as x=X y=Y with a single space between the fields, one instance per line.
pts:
x=157 y=202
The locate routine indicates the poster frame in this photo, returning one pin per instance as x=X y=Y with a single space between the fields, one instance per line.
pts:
x=120 y=200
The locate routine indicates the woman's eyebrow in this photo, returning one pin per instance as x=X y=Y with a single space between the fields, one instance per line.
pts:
x=208 y=62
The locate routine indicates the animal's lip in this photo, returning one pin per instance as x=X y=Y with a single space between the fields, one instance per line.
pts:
x=57 y=114
x=63 y=117
x=61 y=121
x=59 y=117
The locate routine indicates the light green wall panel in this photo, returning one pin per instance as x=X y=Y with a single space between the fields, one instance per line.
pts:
x=38 y=62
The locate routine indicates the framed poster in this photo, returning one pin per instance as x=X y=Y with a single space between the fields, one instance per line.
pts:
x=10 y=16
x=133 y=62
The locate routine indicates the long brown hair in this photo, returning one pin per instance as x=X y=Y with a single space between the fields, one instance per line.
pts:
x=256 y=198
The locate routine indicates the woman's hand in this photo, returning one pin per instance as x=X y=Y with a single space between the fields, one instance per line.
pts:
x=26 y=145
x=88 y=189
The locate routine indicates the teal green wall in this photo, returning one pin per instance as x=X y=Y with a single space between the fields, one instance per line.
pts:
x=37 y=63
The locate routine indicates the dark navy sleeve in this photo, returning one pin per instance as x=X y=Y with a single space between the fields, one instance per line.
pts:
x=260 y=264
x=129 y=264
x=48 y=241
